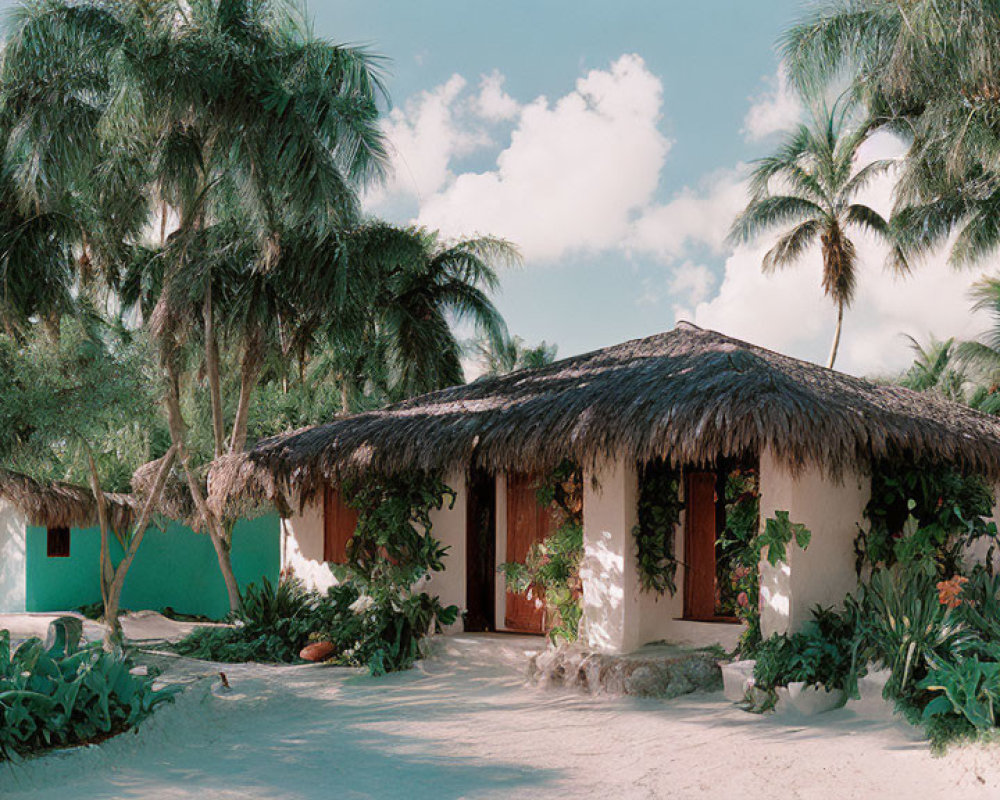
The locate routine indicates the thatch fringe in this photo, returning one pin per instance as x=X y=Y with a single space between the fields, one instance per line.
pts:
x=691 y=396
x=63 y=505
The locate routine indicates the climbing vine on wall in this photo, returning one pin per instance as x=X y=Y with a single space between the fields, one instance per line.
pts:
x=659 y=513
x=552 y=567
x=393 y=538
x=924 y=517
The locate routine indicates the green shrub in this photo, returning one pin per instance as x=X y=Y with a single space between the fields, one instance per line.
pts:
x=924 y=517
x=378 y=625
x=274 y=624
x=819 y=655
x=902 y=625
x=52 y=699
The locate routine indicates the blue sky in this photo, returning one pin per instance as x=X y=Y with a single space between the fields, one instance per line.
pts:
x=610 y=141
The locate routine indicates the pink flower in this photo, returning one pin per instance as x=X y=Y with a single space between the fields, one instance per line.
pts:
x=742 y=599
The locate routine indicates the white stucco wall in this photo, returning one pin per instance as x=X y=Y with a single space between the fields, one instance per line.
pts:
x=448 y=527
x=611 y=602
x=824 y=572
x=13 y=591
x=617 y=615
x=302 y=547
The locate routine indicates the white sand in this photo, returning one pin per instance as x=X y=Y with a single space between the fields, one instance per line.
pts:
x=464 y=725
x=138 y=626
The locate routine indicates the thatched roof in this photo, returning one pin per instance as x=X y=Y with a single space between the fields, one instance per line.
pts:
x=63 y=505
x=688 y=395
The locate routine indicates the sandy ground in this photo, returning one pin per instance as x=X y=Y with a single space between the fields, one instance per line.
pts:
x=138 y=626
x=463 y=724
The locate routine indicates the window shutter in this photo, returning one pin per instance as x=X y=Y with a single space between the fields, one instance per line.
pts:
x=339 y=523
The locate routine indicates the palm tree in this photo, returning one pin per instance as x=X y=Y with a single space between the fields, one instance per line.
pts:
x=934 y=369
x=223 y=116
x=512 y=354
x=396 y=331
x=925 y=69
x=817 y=186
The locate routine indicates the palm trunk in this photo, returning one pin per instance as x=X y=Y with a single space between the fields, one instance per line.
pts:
x=214 y=527
x=212 y=368
x=250 y=370
x=836 y=334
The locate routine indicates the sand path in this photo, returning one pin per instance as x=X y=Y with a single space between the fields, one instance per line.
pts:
x=463 y=724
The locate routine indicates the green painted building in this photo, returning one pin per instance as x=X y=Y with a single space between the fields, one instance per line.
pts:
x=57 y=569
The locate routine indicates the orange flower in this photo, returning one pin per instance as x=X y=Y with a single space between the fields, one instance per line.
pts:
x=949 y=591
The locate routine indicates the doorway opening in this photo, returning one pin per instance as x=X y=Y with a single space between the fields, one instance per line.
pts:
x=480 y=552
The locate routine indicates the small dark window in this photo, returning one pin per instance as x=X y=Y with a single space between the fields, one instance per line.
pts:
x=58 y=543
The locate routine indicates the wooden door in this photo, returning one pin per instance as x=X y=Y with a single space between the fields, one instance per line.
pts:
x=699 y=545
x=527 y=523
x=339 y=524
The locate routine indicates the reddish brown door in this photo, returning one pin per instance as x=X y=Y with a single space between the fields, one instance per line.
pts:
x=527 y=523
x=699 y=546
x=339 y=523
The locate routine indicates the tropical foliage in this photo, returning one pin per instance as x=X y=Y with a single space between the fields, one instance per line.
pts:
x=659 y=513
x=551 y=569
x=926 y=517
x=63 y=696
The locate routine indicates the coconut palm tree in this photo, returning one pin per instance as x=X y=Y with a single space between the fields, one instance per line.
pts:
x=221 y=116
x=809 y=189
x=935 y=368
x=512 y=354
x=396 y=330
x=928 y=70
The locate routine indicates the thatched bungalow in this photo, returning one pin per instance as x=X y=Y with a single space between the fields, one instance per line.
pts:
x=696 y=399
x=50 y=551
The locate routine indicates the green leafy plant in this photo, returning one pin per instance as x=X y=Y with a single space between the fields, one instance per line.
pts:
x=54 y=698
x=819 y=655
x=273 y=625
x=925 y=516
x=902 y=624
x=393 y=541
x=779 y=532
x=552 y=567
x=659 y=513
x=967 y=687
x=737 y=565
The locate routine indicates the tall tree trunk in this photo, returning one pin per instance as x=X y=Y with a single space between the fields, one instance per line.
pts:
x=216 y=532
x=113 y=578
x=345 y=397
x=249 y=372
x=212 y=368
x=836 y=334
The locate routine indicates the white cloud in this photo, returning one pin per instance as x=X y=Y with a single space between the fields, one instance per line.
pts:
x=693 y=216
x=425 y=135
x=775 y=110
x=575 y=173
x=493 y=103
